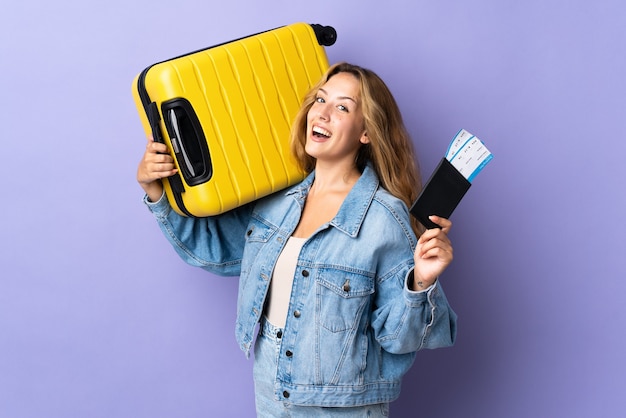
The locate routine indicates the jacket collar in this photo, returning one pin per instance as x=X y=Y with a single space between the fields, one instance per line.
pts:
x=352 y=212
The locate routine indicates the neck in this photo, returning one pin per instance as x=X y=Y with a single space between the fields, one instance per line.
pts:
x=329 y=177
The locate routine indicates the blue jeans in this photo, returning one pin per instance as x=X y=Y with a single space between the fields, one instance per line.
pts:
x=265 y=357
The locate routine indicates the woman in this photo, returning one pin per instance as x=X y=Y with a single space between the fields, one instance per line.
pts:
x=331 y=268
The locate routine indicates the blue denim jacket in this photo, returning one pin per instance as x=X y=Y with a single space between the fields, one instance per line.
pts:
x=353 y=325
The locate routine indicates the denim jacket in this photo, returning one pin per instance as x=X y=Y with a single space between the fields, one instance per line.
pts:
x=353 y=325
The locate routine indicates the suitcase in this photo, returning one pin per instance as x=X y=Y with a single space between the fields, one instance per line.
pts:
x=225 y=113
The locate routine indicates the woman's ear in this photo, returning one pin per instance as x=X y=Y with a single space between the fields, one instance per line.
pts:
x=364 y=139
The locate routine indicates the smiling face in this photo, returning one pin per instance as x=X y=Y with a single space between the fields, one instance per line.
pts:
x=335 y=123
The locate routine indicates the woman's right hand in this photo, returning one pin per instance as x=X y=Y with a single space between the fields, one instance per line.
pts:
x=156 y=164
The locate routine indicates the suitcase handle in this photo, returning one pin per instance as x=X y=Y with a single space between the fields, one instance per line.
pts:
x=154 y=119
x=179 y=145
x=188 y=141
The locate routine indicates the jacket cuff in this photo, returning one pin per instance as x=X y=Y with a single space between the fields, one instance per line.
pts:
x=160 y=208
x=409 y=278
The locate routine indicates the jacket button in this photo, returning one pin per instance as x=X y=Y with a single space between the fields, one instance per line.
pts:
x=289 y=353
x=286 y=394
x=279 y=335
x=305 y=273
x=296 y=314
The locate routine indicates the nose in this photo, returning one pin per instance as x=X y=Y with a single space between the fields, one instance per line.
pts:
x=322 y=111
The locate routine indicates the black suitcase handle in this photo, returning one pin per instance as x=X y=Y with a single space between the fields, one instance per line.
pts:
x=154 y=118
x=188 y=141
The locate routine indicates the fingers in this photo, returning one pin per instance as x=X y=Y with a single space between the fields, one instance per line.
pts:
x=445 y=226
x=444 y=223
x=433 y=252
x=158 y=147
x=436 y=248
x=435 y=242
x=155 y=164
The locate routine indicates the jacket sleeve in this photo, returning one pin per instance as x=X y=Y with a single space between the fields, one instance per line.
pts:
x=212 y=243
x=405 y=321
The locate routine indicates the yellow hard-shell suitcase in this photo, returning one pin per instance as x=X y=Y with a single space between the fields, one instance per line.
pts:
x=225 y=113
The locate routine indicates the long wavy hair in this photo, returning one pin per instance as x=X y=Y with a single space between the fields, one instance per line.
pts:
x=390 y=150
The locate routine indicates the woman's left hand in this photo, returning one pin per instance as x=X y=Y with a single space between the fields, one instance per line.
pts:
x=433 y=254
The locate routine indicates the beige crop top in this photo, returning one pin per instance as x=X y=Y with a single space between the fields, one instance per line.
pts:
x=282 y=281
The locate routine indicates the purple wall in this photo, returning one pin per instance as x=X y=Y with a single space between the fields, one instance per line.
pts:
x=98 y=317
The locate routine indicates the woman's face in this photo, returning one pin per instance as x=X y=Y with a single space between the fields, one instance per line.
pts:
x=335 y=123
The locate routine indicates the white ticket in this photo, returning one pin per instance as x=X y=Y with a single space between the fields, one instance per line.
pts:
x=468 y=154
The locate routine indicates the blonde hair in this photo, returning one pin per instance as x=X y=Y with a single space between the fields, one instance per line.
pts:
x=390 y=150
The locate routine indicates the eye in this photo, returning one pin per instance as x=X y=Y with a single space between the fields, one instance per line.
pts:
x=342 y=108
x=319 y=99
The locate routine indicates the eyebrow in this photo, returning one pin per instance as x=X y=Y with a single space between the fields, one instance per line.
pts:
x=341 y=97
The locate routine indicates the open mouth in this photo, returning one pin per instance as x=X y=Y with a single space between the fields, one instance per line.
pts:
x=321 y=133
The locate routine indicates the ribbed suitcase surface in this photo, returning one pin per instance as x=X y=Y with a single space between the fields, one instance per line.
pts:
x=226 y=114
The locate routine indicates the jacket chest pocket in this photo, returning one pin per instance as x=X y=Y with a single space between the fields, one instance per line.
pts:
x=258 y=235
x=341 y=298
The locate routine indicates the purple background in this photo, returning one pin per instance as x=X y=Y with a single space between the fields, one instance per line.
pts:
x=99 y=318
